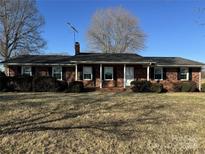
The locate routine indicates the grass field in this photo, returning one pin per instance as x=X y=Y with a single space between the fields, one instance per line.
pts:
x=100 y=122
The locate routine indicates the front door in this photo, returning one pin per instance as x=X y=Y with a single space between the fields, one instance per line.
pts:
x=129 y=75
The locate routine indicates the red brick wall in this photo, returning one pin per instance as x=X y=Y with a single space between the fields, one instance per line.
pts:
x=195 y=75
x=13 y=70
x=140 y=73
x=69 y=73
x=172 y=78
x=42 y=71
x=120 y=75
x=172 y=74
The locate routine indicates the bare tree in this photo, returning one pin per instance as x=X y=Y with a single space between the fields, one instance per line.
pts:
x=20 y=24
x=115 y=30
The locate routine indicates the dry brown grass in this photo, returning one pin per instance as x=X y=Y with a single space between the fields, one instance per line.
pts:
x=102 y=123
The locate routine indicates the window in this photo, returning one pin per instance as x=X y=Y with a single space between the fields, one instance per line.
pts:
x=184 y=73
x=108 y=73
x=87 y=73
x=158 y=73
x=26 y=70
x=57 y=72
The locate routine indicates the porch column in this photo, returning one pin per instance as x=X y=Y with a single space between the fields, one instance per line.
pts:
x=76 y=72
x=147 y=73
x=100 y=75
x=124 y=76
x=200 y=80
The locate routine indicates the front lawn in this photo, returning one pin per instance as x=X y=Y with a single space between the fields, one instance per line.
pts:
x=100 y=122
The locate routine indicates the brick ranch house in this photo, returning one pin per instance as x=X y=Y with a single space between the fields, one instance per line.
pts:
x=101 y=70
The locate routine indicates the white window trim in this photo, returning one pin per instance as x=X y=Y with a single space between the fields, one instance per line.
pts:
x=187 y=74
x=60 y=72
x=112 y=73
x=22 y=73
x=86 y=73
x=161 y=73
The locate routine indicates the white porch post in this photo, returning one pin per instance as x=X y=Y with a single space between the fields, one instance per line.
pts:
x=147 y=73
x=200 y=80
x=124 y=75
x=76 y=72
x=100 y=75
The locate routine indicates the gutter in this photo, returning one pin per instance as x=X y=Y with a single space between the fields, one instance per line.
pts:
x=105 y=62
x=37 y=64
x=180 y=65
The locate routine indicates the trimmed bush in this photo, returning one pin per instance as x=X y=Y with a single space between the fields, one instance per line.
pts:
x=19 y=83
x=156 y=87
x=28 y=83
x=140 y=86
x=61 y=85
x=177 y=87
x=3 y=81
x=203 y=87
x=76 y=87
x=44 y=84
x=2 y=74
x=146 y=86
x=186 y=86
x=189 y=87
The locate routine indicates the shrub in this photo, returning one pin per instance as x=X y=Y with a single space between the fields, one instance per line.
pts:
x=203 y=87
x=44 y=84
x=186 y=86
x=177 y=87
x=19 y=83
x=156 y=87
x=76 y=86
x=189 y=87
x=3 y=81
x=140 y=86
x=61 y=85
x=2 y=74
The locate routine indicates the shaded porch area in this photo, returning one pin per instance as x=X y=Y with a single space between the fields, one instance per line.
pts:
x=110 y=75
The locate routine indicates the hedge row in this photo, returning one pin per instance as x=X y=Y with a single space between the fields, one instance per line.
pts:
x=38 y=84
x=146 y=86
x=203 y=87
x=185 y=86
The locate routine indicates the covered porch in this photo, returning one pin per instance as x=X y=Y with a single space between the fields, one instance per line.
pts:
x=111 y=75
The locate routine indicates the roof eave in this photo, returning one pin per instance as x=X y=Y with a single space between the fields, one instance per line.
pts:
x=110 y=62
x=180 y=65
x=38 y=64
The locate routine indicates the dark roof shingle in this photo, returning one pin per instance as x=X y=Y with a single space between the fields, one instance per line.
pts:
x=109 y=57
x=173 y=61
x=100 y=57
x=39 y=59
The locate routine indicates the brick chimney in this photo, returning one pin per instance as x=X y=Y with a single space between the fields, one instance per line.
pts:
x=77 y=48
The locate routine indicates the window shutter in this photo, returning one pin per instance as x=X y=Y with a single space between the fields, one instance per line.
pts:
x=50 y=71
x=190 y=74
x=151 y=73
x=33 y=69
x=103 y=73
x=94 y=73
x=178 y=73
x=114 y=73
x=18 y=70
x=164 y=73
x=63 y=73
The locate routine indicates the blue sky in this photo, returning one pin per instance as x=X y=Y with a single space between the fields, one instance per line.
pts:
x=171 y=26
